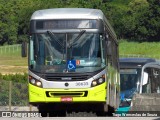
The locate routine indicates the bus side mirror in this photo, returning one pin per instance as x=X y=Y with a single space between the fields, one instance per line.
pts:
x=24 y=49
x=145 y=78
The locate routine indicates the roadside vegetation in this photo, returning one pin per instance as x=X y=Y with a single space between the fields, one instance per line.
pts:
x=136 y=20
x=137 y=49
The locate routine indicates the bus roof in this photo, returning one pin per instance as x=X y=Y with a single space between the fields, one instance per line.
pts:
x=134 y=62
x=68 y=13
x=73 y=13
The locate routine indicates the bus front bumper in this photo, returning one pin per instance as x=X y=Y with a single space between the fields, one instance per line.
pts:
x=41 y=95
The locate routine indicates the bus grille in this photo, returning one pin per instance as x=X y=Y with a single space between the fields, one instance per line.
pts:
x=68 y=93
x=67 y=77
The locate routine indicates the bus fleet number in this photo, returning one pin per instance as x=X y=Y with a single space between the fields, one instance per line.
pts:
x=81 y=83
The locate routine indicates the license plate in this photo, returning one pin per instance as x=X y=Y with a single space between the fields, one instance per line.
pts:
x=66 y=99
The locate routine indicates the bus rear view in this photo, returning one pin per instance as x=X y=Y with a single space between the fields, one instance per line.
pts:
x=68 y=61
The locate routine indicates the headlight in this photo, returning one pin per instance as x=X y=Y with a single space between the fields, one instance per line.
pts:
x=98 y=81
x=35 y=82
x=94 y=83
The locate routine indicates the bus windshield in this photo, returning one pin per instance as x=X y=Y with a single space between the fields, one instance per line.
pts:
x=129 y=81
x=54 y=52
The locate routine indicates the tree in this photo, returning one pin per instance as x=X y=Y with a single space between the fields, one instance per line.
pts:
x=131 y=19
x=137 y=12
x=8 y=23
x=153 y=20
x=116 y=16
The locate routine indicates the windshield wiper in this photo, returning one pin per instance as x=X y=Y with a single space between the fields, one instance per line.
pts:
x=55 y=38
x=79 y=35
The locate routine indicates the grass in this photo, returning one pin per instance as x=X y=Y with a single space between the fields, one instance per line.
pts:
x=147 y=49
x=11 y=55
x=11 y=60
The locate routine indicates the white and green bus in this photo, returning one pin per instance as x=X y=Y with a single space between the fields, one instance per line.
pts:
x=73 y=61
